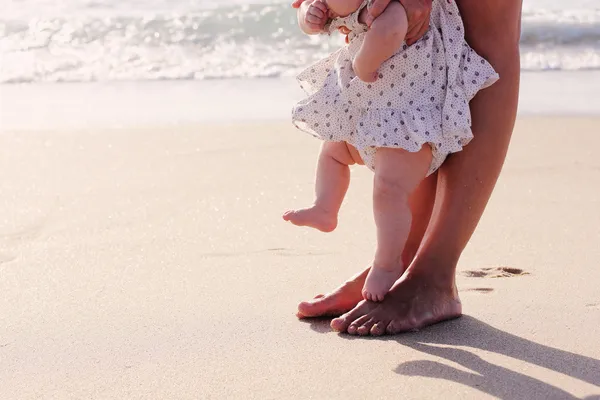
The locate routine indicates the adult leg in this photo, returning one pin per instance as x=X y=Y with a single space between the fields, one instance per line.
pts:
x=427 y=293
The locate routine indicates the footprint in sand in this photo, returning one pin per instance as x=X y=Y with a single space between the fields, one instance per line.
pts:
x=26 y=234
x=481 y=290
x=279 y=251
x=496 y=272
x=5 y=258
x=15 y=238
x=297 y=252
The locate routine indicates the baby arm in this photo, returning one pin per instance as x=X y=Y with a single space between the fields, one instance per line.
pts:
x=312 y=16
x=382 y=41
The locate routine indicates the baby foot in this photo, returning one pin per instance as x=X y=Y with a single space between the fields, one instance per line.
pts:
x=379 y=282
x=364 y=72
x=314 y=217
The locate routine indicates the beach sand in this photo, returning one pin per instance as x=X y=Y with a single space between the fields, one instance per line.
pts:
x=153 y=263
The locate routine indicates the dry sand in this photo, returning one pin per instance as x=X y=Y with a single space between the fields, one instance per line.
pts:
x=153 y=264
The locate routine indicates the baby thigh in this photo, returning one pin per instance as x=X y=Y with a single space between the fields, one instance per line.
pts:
x=342 y=152
x=399 y=172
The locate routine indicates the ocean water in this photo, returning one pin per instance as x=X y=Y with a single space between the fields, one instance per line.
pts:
x=150 y=40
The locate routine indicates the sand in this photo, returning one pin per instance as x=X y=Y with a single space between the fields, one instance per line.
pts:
x=153 y=264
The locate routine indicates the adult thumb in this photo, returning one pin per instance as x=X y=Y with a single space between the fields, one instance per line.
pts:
x=377 y=7
x=297 y=3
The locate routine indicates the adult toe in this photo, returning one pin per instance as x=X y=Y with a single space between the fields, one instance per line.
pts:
x=379 y=328
x=312 y=308
x=365 y=328
x=342 y=323
x=357 y=323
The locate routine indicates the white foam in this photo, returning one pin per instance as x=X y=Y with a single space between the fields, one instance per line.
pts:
x=116 y=40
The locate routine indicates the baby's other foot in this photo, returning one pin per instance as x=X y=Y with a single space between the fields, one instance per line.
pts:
x=314 y=217
x=379 y=282
x=365 y=73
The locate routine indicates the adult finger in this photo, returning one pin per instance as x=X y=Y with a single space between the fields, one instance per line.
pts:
x=413 y=34
x=415 y=10
x=297 y=3
x=420 y=32
x=344 y=30
x=377 y=7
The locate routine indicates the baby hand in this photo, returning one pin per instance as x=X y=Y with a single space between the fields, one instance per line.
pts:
x=316 y=16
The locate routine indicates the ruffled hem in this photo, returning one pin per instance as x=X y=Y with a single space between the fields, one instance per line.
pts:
x=474 y=73
x=319 y=75
x=390 y=128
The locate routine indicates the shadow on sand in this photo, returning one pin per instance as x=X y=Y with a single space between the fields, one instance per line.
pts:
x=489 y=378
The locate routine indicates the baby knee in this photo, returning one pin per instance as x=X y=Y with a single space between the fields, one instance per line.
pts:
x=390 y=187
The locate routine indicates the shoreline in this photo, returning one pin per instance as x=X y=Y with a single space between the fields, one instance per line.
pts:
x=179 y=103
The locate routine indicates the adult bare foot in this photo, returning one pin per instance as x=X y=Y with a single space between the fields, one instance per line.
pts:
x=336 y=303
x=419 y=299
x=314 y=217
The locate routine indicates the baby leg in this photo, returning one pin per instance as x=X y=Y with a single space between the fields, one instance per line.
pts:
x=332 y=181
x=397 y=175
x=384 y=39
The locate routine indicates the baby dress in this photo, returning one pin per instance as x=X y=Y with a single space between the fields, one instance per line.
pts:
x=421 y=96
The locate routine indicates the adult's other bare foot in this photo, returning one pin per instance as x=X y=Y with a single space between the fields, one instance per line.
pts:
x=419 y=299
x=336 y=303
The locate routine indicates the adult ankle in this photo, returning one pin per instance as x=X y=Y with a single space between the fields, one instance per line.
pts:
x=436 y=269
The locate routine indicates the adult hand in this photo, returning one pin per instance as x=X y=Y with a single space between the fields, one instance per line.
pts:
x=344 y=31
x=417 y=11
x=297 y=3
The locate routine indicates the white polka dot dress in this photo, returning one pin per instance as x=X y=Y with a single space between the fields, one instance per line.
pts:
x=421 y=95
